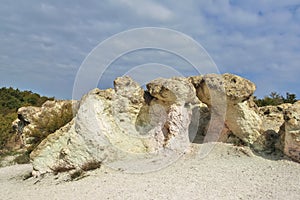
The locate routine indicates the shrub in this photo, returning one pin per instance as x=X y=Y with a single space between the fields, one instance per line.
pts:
x=6 y=130
x=275 y=99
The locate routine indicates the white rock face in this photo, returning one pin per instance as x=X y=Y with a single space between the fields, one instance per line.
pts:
x=292 y=132
x=92 y=136
x=175 y=106
x=243 y=121
x=123 y=124
x=61 y=151
x=101 y=124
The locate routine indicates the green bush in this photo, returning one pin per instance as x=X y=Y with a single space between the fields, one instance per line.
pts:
x=6 y=131
x=275 y=99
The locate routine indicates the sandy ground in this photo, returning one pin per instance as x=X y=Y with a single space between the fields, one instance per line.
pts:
x=226 y=173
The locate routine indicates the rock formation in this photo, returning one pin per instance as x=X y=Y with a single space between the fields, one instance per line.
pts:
x=29 y=117
x=120 y=124
x=128 y=123
x=291 y=132
x=272 y=120
x=230 y=95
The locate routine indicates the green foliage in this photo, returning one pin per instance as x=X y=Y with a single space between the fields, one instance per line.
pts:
x=290 y=98
x=10 y=100
x=275 y=99
x=6 y=130
x=50 y=122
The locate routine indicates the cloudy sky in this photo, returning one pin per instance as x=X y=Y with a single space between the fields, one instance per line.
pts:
x=44 y=43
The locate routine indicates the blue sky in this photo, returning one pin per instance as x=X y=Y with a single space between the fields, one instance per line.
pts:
x=43 y=43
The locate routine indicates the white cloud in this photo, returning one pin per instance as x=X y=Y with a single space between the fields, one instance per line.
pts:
x=149 y=9
x=256 y=39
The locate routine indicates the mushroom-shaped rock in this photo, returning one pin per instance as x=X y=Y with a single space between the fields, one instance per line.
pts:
x=230 y=95
x=231 y=88
x=238 y=89
x=175 y=109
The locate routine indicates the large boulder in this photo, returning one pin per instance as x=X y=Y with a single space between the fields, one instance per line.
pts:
x=178 y=90
x=230 y=99
x=97 y=134
x=61 y=151
x=244 y=122
x=291 y=135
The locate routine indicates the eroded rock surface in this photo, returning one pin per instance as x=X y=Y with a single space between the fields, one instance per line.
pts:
x=29 y=117
x=229 y=97
x=292 y=132
x=123 y=123
x=128 y=123
x=272 y=121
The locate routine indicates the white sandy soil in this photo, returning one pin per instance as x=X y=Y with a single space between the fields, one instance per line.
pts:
x=226 y=173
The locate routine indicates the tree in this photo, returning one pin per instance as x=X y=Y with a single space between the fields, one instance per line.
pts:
x=290 y=98
x=275 y=99
x=6 y=130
